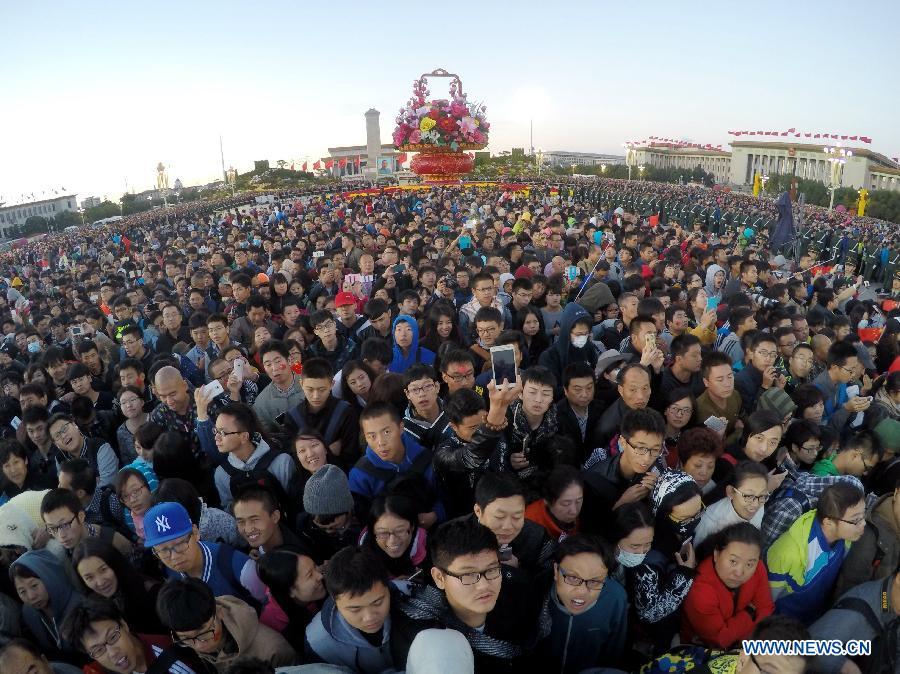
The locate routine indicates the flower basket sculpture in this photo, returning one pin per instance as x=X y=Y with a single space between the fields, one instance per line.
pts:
x=441 y=130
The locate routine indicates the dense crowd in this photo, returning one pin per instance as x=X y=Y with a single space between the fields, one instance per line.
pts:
x=590 y=426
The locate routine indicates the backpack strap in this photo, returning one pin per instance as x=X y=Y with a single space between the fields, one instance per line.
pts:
x=337 y=416
x=298 y=416
x=382 y=474
x=421 y=463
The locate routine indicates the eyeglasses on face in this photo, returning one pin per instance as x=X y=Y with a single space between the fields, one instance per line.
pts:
x=61 y=431
x=62 y=527
x=97 y=651
x=752 y=498
x=473 y=577
x=644 y=451
x=385 y=536
x=420 y=390
x=221 y=433
x=592 y=584
x=201 y=638
x=174 y=549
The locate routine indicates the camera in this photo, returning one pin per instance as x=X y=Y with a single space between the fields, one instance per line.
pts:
x=450 y=282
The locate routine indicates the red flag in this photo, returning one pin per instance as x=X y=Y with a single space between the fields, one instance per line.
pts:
x=843 y=137
x=807 y=134
x=784 y=133
x=304 y=167
x=358 y=160
x=792 y=130
x=865 y=139
x=753 y=133
x=342 y=162
x=818 y=135
x=317 y=165
x=834 y=135
x=401 y=158
x=329 y=164
x=853 y=137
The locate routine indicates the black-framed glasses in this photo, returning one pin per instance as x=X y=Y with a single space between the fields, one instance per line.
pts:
x=61 y=431
x=473 y=577
x=204 y=636
x=752 y=498
x=220 y=433
x=174 y=549
x=97 y=651
x=644 y=451
x=853 y=523
x=54 y=529
x=576 y=581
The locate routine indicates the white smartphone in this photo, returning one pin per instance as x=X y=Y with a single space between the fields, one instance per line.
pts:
x=318 y=253
x=214 y=388
x=503 y=364
x=239 y=367
x=715 y=424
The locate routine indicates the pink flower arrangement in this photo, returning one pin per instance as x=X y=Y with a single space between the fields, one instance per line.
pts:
x=454 y=123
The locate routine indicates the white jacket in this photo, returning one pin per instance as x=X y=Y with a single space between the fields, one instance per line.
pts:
x=720 y=515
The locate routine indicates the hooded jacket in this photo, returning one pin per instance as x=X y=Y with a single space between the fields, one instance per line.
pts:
x=63 y=598
x=368 y=486
x=563 y=352
x=709 y=285
x=331 y=639
x=253 y=640
x=417 y=354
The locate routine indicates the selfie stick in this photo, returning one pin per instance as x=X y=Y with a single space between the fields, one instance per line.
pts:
x=587 y=278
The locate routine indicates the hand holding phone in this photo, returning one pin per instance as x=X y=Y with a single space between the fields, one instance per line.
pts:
x=503 y=364
x=712 y=303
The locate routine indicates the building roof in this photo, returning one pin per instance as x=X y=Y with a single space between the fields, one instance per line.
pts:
x=37 y=202
x=817 y=147
x=684 y=151
x=582 y=154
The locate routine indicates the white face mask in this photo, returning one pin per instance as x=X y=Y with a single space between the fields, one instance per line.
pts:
x=629 y=559
x=579 y=342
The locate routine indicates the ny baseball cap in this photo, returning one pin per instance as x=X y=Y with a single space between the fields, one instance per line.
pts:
x=165 y=522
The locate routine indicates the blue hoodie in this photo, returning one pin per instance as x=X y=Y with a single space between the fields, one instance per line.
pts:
x=370 y=486
x=331 y=639
x=63 y=598
x=417 y=354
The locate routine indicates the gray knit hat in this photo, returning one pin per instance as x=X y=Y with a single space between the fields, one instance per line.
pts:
x=776 y=400
x=327 y=492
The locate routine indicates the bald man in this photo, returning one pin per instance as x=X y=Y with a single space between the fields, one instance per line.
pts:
x=176 y=411
x=820 y=345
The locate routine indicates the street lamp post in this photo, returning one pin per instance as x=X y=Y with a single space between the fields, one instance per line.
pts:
x=603 y=169
x=641 y=171
x=837 y=156
x=81 y=213
x=573 y=170
x=540 y=160
x=630 y=157
x=764 y=178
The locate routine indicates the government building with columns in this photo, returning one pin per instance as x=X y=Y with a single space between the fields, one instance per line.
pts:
x=663 y=156
x=864 y=168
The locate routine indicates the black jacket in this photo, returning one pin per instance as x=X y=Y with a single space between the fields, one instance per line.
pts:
x=568 y=426
x=458 y=466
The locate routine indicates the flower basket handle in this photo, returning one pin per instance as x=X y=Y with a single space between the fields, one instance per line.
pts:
x=455 y=83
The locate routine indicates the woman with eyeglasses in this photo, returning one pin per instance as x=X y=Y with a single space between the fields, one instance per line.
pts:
x=678 y=409
x=745 y=499
x=135 y=485
x=106 y=573
x=803 y=441
x=730 y=594
x=392 y=532
x=804 y=561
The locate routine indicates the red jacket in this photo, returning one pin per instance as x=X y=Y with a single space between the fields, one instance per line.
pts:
x=709 y=614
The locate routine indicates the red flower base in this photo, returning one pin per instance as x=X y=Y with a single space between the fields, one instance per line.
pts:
x=441 y=166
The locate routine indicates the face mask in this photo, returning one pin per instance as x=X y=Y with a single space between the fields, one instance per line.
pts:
x=629 y=559
x=686 y=528
x=34 y=347
x=579 y=342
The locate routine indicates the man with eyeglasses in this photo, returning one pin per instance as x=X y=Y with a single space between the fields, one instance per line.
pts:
x=629 y=475
x=99 y=629
x=842 y=365
x=484 y=295
x=424 y=419
x=473 y=593
x=588 y=609
x=72 y=444
x=175 y=541
x=64 y=519
x=759 y=373
x=220 y=630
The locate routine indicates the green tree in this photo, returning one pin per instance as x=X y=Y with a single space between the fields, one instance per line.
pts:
x=884 y=204
x=34 y=225
x=106 y=209
x=66 y=219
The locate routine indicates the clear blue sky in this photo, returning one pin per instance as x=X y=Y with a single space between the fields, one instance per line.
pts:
x=95 y=93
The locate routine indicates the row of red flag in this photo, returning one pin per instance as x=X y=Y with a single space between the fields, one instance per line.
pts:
x=671 y=142
x=797 y=134
x=329 y=162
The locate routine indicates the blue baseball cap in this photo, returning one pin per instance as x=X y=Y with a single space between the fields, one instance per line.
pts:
x=165 y=522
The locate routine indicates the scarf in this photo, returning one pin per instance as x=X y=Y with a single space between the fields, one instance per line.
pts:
x=523 y=436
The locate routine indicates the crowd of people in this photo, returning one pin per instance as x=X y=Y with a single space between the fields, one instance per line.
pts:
x=588 y=426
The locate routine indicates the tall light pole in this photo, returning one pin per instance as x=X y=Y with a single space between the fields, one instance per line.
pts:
x=540 y=160
x=641 y=171
x=603 y=169
x=837 y=156
x=573 y=170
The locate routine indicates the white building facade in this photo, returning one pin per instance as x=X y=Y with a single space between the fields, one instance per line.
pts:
x=567 y=159
x=715 y=162
x=17 y=214
x=865 y=168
